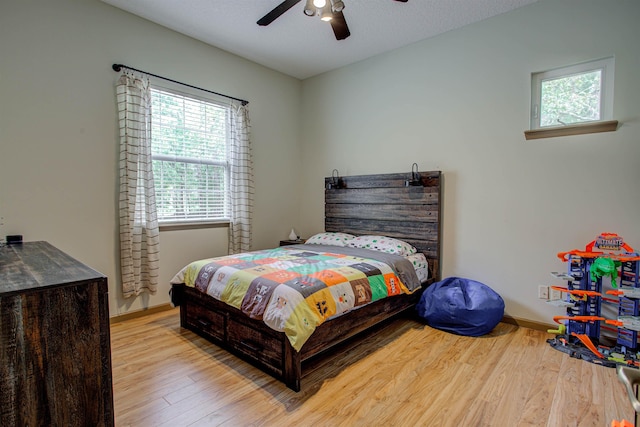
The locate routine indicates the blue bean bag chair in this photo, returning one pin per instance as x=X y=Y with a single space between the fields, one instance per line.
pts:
x=461 y=306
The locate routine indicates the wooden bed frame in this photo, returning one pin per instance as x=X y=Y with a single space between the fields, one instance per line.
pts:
x=387 y=204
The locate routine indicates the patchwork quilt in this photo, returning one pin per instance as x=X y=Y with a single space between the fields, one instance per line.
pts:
x=293 y=289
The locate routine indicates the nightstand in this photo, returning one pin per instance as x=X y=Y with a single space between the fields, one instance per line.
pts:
x=291 y=242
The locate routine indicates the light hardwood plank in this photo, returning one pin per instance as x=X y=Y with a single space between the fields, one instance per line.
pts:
x=403 y=374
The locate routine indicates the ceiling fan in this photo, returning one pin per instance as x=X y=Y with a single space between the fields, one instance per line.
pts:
x=329 y=10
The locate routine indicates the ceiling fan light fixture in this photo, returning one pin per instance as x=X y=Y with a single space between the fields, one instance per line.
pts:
x=326 y=15
x=329 y=11
x=310 y=8
x=337 y=5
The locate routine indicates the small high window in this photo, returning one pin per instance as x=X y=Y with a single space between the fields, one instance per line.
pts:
x=572 y=95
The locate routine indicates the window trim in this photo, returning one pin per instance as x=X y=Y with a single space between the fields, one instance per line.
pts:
x=606 y=65
x=191 y=223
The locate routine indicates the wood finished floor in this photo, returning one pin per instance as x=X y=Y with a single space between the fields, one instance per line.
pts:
x=405 y=374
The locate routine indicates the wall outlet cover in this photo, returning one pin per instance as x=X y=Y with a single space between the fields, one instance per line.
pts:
x=555 y=294
x=543 y=292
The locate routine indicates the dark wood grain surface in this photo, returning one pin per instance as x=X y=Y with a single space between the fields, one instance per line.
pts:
x=384 y=204
x=33 y=265
x=55 y=358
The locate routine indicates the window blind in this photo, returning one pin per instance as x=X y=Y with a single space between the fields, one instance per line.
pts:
x=190 y=157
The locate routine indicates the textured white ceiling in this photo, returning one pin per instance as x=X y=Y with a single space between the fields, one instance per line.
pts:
x=303 y=46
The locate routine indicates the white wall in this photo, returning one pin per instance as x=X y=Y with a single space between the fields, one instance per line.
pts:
x=460 y=103
x=58 y=135
x=457 y=103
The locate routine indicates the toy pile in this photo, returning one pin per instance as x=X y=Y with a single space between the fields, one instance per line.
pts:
x=580 y=330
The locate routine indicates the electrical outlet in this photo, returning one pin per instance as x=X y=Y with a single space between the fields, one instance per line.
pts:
x=555 y=294
x=543 y=292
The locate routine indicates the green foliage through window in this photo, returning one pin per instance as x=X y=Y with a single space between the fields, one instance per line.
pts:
x=189 y=148
x=572 y=99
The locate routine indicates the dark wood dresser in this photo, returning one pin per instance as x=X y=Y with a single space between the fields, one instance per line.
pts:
x=55 y=351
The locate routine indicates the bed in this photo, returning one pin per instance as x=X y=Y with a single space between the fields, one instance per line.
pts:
x=399 y=206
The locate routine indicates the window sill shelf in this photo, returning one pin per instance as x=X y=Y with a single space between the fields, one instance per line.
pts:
x=608 y=126
x=191 y=225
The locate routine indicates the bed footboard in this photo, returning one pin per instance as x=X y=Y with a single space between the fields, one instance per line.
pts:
x=229 y=328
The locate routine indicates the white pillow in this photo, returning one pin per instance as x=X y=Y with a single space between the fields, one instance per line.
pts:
x=418 y=260
x=423 y=274
x=383 y=244
x=334 y=239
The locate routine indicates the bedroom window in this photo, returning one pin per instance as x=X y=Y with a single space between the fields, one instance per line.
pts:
x=190 y=158
x=577 y=95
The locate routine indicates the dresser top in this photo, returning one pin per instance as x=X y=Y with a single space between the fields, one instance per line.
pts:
x=37 y=265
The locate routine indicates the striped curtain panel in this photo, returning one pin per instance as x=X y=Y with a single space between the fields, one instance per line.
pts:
x=139 y=233
x=241 y=181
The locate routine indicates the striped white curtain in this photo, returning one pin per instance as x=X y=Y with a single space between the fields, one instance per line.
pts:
x=241 y=181
x=139 y=233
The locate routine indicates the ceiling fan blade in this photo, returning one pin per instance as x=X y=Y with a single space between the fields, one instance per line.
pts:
x=277 y=11
x=339 y=25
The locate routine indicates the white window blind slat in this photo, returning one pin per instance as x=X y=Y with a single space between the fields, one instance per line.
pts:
x=189 y=150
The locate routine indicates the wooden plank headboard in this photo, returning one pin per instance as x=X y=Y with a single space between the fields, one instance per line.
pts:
x=384 y=204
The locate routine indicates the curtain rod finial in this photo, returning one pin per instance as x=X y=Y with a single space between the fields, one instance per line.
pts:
x=116 y=67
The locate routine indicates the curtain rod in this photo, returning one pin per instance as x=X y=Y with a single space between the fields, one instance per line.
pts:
x=118 y=67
